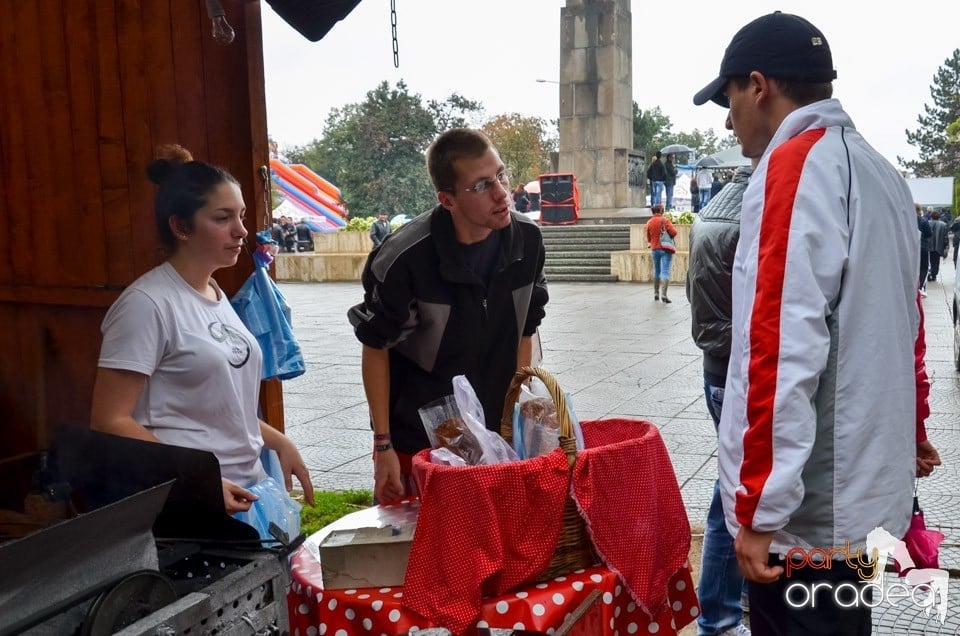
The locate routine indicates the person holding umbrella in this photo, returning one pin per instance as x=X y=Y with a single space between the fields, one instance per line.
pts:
x=671 y=179
x=657 y=176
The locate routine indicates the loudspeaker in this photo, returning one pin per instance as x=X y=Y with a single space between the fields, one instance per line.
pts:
x=558 y=214
x=556 y=188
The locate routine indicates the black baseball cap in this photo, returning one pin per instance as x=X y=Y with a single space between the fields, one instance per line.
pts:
x=779 y=45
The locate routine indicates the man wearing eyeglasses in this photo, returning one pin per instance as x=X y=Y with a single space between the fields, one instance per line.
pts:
x=458 y=290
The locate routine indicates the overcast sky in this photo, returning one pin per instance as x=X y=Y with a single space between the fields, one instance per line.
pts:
x=494 y=51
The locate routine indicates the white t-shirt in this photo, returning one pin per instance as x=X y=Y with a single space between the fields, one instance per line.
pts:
x=704 y=178
x=203 y=369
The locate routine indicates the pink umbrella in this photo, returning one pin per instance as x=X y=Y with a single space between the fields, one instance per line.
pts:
x=922 y=544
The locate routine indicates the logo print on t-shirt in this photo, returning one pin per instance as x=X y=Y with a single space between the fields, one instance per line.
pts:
x=238 y=348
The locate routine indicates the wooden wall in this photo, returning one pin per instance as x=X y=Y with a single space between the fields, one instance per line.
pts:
x=89 y=89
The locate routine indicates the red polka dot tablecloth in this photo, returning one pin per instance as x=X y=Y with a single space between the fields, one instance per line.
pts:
x=541 y=607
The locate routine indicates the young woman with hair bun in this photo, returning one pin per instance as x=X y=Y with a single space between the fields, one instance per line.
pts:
x=178 y=366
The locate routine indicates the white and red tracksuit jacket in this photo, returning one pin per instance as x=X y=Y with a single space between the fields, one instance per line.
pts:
x=817 y=438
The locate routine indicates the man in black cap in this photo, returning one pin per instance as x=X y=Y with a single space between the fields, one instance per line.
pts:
x=816 y=438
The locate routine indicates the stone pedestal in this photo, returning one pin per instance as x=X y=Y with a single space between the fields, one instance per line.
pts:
x=636 y=264
x=596 y=106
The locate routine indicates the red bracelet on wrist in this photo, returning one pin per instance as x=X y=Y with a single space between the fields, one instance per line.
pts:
x=381 y=437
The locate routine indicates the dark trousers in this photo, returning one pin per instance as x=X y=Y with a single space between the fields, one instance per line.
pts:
x=771 y=615
x=924 y=266
x=935 y=264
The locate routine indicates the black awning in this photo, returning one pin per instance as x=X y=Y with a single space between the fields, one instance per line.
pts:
x=313 y=18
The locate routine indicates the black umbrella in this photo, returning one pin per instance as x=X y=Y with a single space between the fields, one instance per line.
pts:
x=708 y=162
x=675 y=149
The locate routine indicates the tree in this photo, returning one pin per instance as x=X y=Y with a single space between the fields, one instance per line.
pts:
x=524 y=144
x=374 y=151
x=455 y=112
x=939 y=153
x=652 y=130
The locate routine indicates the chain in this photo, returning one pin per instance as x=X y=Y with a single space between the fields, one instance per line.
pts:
x=393 y=29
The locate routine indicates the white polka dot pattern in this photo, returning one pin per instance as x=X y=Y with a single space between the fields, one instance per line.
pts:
x=381 y=611
x=541 y=607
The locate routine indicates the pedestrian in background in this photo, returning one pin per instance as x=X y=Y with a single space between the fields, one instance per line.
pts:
x=380 y=229
x=939 y=244
x=662 y=257
x=521 y=202
x=694 y=195
x=817 y=442
x=704 y=185
x=955 y=231
x=926 y=233
x=657 y=176
x=670 y=181
x=713 y=244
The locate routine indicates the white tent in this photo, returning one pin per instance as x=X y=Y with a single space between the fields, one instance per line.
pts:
x=932 y=191
x=731 y=158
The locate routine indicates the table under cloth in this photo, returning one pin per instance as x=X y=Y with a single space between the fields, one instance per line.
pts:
x=537 y=607
x=626 y=489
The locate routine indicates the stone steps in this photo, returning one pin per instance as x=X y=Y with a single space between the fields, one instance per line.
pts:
x=581 y=253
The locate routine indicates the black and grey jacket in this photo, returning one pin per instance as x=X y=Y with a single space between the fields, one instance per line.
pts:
x=713 y=244
x=438 y=319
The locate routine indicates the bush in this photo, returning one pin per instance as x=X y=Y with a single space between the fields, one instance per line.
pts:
x=684 y=218
x=359 y=224
x=330 y=506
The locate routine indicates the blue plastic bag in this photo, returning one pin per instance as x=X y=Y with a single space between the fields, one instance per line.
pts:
x=265 y=312
x=273 y=504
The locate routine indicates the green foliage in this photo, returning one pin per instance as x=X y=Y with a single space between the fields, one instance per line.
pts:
x=652 y=130
x=939 y=152
x=524 y=144
x=455 y=112
x=330 y=506
x=359 y=224
x=684 y=218
x=374 y=151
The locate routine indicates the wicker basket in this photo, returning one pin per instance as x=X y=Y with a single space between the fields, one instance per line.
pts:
x=574 y=548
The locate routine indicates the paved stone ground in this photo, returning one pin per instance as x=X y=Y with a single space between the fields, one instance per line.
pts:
x=618 y=353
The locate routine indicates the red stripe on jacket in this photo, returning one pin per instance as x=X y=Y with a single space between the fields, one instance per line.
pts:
x=780 y=189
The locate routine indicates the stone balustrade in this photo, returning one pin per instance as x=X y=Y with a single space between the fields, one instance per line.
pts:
x=337 y=256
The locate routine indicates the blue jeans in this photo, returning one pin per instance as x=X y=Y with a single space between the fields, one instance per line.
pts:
x=704 y=197
x=661 y=263
x=656 y=192
x=669 y=189
x=721 y=584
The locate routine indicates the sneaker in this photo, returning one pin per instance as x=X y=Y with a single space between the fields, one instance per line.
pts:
x=739 y=630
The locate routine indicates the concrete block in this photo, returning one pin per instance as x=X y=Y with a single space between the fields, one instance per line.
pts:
x=566 y=101
x=605 y=98
x=585 y=99
x=341 y=242
x=316 y=267
x=606 y=168
x=573 y=66
x=637 y=266
x=638 y=237
x=581 y=39
x=584 y=162
x=608 y=59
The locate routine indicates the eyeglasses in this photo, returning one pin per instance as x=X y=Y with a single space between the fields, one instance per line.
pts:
x=480 y=187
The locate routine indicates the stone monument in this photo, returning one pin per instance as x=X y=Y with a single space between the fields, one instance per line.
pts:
x=596 y=108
